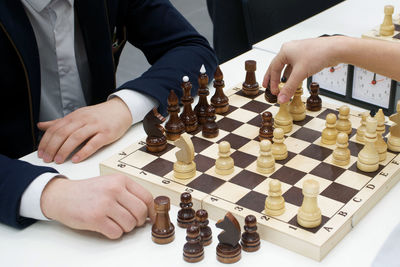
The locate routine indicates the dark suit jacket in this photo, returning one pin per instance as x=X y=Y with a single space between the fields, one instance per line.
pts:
x=169 y=42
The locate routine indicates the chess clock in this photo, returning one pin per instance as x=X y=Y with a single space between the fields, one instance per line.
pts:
x=332 y=80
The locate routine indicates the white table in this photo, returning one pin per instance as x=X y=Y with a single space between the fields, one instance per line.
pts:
x=351 y=18
x=52 y=244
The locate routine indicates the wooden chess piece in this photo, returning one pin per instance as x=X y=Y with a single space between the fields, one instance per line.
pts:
x=174 y=126
x=188 y=116
x=269 y=96
x=156 y=141
x=250 y=85
x=297 y=108
x=309 y=214
x=163 y=231
x=186 y=214
x=341 y=154
x=394 y=136
x=210 y=127
x=250 y=238
x=184 y=167
x=202 y=105
x=224 y=165
x=201 y=220
x=219 y=100
x=368 y=157
x=343 y=124
x=229 y=249
x=329 y=134
x=314 y=102
x=387 y=27
x=279 y=149
x=283 y=119
x=267 y=128
x=274 y=203
x=362 y=128
x=380 y=144
x=265 y=161
x=193 y=250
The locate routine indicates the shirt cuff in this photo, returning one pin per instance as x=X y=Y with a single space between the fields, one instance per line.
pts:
x=139 y=104
x=30 y=200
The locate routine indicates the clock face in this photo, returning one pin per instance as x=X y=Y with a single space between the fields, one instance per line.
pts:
x=371 y=87
x=333 y=79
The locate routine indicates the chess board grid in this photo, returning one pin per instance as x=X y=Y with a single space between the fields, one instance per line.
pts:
x=374 y=34
x=233 y=194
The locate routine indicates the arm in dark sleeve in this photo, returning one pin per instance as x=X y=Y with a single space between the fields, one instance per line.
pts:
x=171 y=45
x=15 y=177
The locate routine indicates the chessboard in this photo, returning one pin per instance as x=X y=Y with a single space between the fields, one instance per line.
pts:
x=346 y=193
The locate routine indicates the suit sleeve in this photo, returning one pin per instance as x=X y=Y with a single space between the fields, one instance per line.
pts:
x=171 y=45
x=15 y=177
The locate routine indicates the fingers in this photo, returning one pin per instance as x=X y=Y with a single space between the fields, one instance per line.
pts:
x=293 y=82
x=122 y=217
x=110 y=229
x=144 y=195
x=94 y=144
x=134 y=206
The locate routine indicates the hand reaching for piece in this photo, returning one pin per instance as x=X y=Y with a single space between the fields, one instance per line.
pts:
x=110 y=205
x=96 y=125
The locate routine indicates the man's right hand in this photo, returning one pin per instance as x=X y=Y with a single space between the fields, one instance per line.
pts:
x=111 y=204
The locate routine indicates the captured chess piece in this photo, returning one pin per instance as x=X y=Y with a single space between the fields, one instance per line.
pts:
x=193 y=250
x=269 y=96
x=186 y=214
x=267 y=128
x=283 y=119
x=188 y=116
x=368 y=157
x=314 y=102
x=309 y=214
x=341 y=154
x=210 y=127
x=201 y=220
x=156 y=141
x=184 y=167
x=163 y=231
x=343 y=124
x=362 y=128
x=275 y=203
x=380 y=144
x=250 y=238
x=250 y=85
x=202 y=105
x=279 y=149
x=387 y=27
x=174 y=126
x=329 y=134
x=394 y=137
x=297 y=108
x=219 y=100
x=224 y=164
x=265 y=161
x=229 y=249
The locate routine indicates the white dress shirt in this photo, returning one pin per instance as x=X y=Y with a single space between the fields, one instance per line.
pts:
x=53 y=23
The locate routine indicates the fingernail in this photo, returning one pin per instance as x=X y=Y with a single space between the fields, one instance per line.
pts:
x=75 y=159
x=283 y=98
x=40 y=153
x=58 y=159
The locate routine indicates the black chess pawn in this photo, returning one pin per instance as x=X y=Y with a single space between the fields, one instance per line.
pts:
x=210 y=127
x=269 y=96
x=219 y=100
x=250 y=86
x=201 y=220
x=186 y=214
x=250 y=238
x=188 y=116
x=314 y=102
x=193 y=250
x=174 y=126
x=267 y=127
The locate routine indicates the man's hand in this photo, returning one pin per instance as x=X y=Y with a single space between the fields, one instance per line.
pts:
x=96 y=125
x=110 y=205
x=302 y=59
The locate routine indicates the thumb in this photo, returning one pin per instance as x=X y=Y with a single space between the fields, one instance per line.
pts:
x=290 y=86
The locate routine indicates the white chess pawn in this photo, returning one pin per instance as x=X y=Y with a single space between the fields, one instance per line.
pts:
x=274 y=203
x=329 y=134
x=361 y=129
x=380 y=144
x=279 y=149
x=343 y=124
x=297 y=108
x=265 y=161
x=341 y=154
x=368 y=157
x=387 y=27
x=283 y=119
x=309 y=214
x=394 y=137
x=224 y=165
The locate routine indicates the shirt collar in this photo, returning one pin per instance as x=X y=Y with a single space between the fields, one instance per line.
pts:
x=39 y=5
